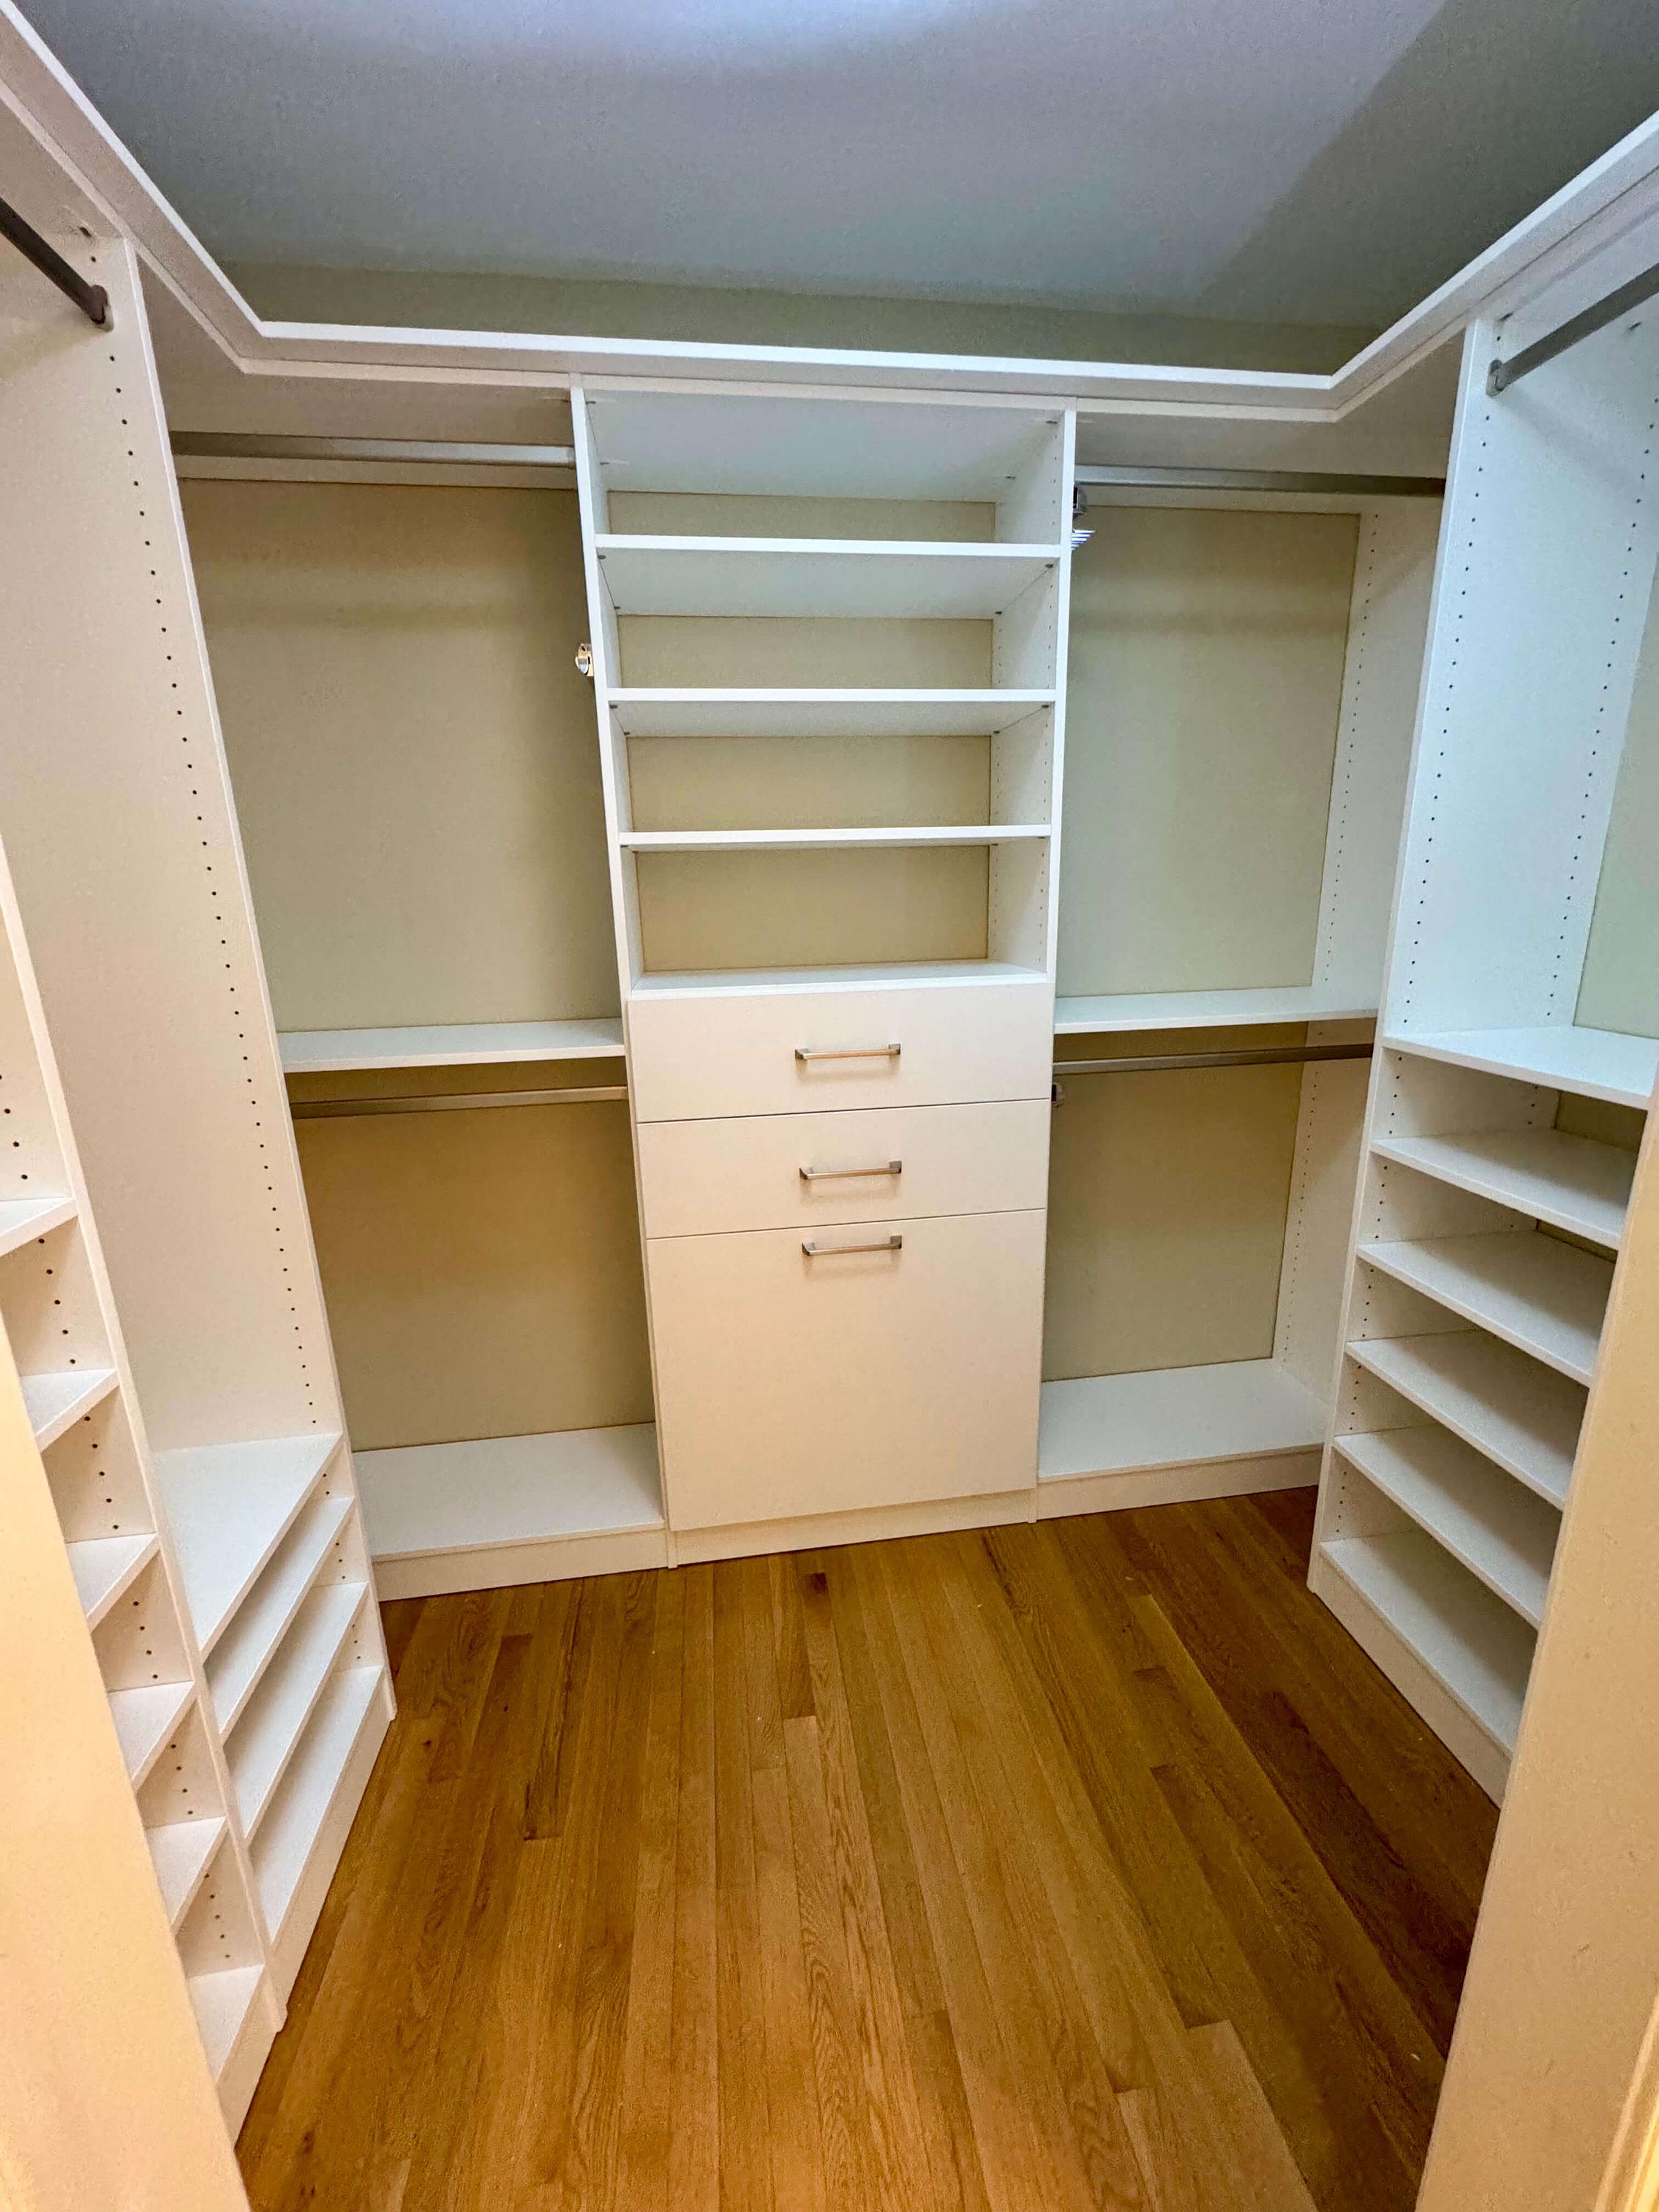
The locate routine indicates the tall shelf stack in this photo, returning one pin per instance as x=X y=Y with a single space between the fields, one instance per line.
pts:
x=1519 y=1024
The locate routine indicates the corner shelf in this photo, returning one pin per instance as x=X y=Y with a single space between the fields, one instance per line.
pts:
x=1571 y=1182
x=229 y=1507
x=1502 y=1533
x=658 y=712
x=895 y=578
x=1206 y=1010
x=1524 y=1417
x=1546 y=1298
x=760 y=841
x=331 y=1052
x=1594 y=1063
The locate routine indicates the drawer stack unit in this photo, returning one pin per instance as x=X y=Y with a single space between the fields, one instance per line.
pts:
x=834 y=935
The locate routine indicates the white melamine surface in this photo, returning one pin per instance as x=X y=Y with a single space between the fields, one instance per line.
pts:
x=656 y=713
x=1207 y=1010
x=510 y=1490
x=698 y=1178
x=270 y=1731
x=240 y=1656
x=1597 y=1063
x=318 y=1052
x=1571 y=1182
x=229 y=1507
x=297 y=1813
x=56 y=1403
x=22 y=1219
x=1468 y=1639
x=749 y=841
x=221 y=2002
x=1501 y=1532
x=817 y=576
x=1166 y=1417
x=1523 y=1416
x=144 y=1718
x=103 y=1566
x=180 y=1853
x=770 y=982
x=1539 y=1294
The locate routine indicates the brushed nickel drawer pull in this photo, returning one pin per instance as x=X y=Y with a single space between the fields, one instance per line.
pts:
x=846 y=1175
x=815 y=1251
x=850 y=1052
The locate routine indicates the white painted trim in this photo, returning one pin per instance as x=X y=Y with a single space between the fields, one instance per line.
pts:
x=1059 y=1497
x=812 y=1531
x=533 y=1559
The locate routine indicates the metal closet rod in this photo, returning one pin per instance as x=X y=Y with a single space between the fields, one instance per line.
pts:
x=92 y=299
x=1502 y=373
x=448 y=1102
x=1333 y=481
x=1269 y=1056
x=240 y=446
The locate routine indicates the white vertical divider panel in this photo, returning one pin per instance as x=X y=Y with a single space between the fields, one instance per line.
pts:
x=116 y=810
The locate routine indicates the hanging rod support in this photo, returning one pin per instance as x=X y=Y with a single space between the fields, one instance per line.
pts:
x=92 y=299
x=1502 y=373
x=1158 y=1063
x=449 y=1101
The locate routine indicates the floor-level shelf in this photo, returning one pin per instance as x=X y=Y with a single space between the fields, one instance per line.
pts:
x=885 y=578
x=1571 y=1182
x=1524 y=1417
x=1100 y=1433
x=704 y=713
x=1545 y=1297
x=1500 y=1531
x=1209 y=1009
x=230 y=1506
x=467 y=1044
x=221 y=2003
x=513 y=1508
x=1594 y=1063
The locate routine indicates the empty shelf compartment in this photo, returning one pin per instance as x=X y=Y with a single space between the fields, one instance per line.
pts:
x=290 y=1829
x=1594 y=1063
x=181 y=1853
x=1501 y=1532
x=1544 y=1296
x=239 y=1660
x=229 y=1507
x=1571 y=1182
x=267 y=1735
x=1523 y=1416
x=859 y=577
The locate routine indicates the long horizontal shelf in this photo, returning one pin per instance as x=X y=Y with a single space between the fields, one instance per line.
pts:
x=899 y=976
x=145 y=1717
x=105 y=1566
x=850 y=576
x=1571 y=1182
x=658 y=712
x=269 y=1733
x=1474 y=1646
x=297 y=1812
x=1209 y=1010
x=762 y=841
x=221 y=2002
x=510 y=1490
x=56 y=1403
x=1166 y=1417
x=1524 y=1417
x=181 y=1853
x=23 y=1219
x=1545 y=1297
x=467 y=1044
x=1503 y=1534
x=1594 y=1063
x=229 y=1507
x=248 y=1645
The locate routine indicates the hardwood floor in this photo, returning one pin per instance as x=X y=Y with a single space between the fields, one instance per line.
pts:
x=1088 y=1865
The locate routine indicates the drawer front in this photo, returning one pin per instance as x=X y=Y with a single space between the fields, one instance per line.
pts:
x=691 y=1058
x=791 y=1385
x=790 y=1170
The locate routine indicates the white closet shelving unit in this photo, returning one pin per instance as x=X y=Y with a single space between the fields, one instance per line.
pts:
x=1519 y=1028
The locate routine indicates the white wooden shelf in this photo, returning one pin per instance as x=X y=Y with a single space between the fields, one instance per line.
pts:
x=1473 y=1645
x=181 y=1853
x=1166 y=1417
x=267 y=1735
x=242 y=1653
x=300 y=1805
x=229 y=1507
x=717 y=982
x=1545 y=1297
x=56 y=1403
x=762 y=841
x=871 y=577
x=1571 y=1182
x=221 y=2003
x=145 y=1718
x=105 y=1566
x=1209 y=1010
x=1524 y=1417
x=754 y=714
x=23 y=1219
x=472 y=1044
x=1594 y=1063
x=1502 y=1533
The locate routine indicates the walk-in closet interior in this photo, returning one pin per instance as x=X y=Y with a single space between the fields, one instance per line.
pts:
x=637 y=981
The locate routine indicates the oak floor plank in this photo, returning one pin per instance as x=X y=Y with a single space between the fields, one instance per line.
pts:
x=1078 y=1866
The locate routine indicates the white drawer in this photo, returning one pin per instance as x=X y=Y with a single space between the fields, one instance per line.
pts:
x=692 y=1058
x=790 y=1385
x=789 y=1170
